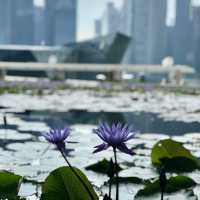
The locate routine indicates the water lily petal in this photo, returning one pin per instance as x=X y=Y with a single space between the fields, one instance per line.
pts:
x=100 y=147
x=123 y=148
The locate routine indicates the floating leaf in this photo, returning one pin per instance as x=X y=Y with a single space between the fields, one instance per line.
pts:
x=130 y=179
x=101 y=167
x=63 y=184
x=9 y=185
x=174 y=184
x=173 y=156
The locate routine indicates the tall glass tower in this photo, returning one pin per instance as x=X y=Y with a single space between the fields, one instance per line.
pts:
x=22 y=21
x=146 y=24
x=60 y=21
x=196 y=37
x=182 y=31
x=5 y=21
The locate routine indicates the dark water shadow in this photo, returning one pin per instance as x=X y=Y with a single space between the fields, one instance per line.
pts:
x=142 y=121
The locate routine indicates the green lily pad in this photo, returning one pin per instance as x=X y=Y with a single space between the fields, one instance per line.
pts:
x=127 y=180
x=63 y=184
x=173 y=156
x=9 y=185
x=174 y=184
x=101 y=167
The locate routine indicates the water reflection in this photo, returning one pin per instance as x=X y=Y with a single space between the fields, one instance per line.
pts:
x=143 y=122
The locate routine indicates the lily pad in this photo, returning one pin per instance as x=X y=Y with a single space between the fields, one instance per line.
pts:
x=9 y=185
x=101 y=167
x=127 y=180
x=174 y=184
x=62 y=183
x=173 y=156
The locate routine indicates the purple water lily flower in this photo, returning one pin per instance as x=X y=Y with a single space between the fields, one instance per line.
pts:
x=114 y=136
x=58 y=137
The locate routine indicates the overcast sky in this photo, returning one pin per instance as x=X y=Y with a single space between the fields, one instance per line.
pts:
x=89 y=10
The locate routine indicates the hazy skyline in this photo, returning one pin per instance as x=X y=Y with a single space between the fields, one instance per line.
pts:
x=89 y=10
x=86 y=23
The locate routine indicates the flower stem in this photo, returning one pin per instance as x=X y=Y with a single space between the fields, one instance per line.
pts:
x=5 y=125
x=162 y=195
x=110 y=187
x=162 y=181
x=116 y=172
x=77 y=175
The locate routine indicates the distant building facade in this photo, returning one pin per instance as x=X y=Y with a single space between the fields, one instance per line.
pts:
x=25 y=23
x=5 y=33
x=22 y=21
x=97 y=29
x=146 y=24
x=16 y=22
x=39 y=21
x=170 y=41
x=182 y=32
x=111 y=21
x=60 y=21
x=157 y=37
x=196 y=37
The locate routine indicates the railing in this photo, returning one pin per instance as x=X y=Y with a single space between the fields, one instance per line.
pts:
x=68 y=67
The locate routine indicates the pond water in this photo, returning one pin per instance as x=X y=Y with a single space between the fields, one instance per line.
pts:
x=24 y=151
x=143 y=122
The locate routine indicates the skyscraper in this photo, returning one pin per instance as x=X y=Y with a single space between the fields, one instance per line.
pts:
x=65 y=22
x=111 y=20
x=16 y=22
x=196 y=38
x=182 y=29
x=139 y=31
x=147 y=21
x=97 y=30
x=60 y=21
x=49 y=21
x=157 y=37
x=5 y=33
x=22 y=22
x=39 y=25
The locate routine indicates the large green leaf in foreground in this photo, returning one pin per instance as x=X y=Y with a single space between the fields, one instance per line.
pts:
x=62 y=184
x=9 y=185
x=173 y=156
x=174 y=184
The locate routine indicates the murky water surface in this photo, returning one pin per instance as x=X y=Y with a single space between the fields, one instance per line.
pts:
x=24 y=151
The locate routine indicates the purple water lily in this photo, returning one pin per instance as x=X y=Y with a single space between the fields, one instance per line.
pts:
x=58 y=137
x=114 y=136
